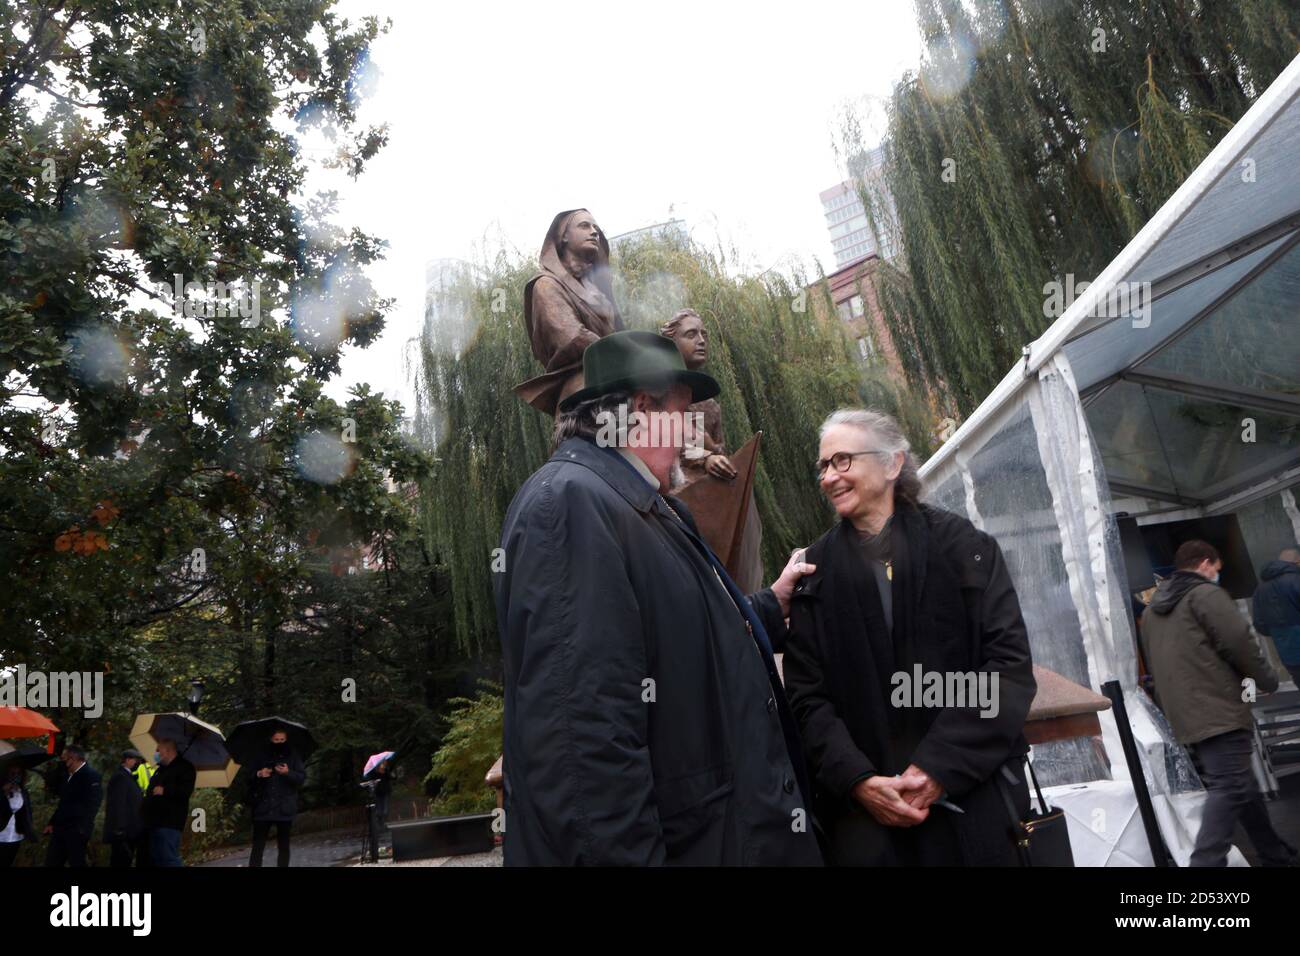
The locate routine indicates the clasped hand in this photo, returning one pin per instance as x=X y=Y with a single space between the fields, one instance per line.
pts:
x=902 y=801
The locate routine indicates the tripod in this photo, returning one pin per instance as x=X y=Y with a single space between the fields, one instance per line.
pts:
x=370 y=836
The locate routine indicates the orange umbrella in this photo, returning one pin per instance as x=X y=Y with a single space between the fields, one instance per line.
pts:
x=21 y=722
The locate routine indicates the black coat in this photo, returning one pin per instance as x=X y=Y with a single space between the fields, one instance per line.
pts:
x=951 y=586
x=24 y=813
x=122 y=806
x=79 y=799
x=644 y=722
x=171 y=809
x=275 y=798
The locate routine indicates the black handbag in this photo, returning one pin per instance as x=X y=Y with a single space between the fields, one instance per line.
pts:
x=1042 y=838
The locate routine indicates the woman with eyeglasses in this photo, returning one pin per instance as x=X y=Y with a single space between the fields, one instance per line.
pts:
x=907 y=666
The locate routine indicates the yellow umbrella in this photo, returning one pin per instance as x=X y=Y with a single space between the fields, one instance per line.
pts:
x=199 y=742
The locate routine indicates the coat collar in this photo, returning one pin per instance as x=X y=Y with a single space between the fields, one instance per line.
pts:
x=612 y=469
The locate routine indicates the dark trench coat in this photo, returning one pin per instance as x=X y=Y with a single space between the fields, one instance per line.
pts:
x=274 y=799
x=644 y=724
x=966 y=618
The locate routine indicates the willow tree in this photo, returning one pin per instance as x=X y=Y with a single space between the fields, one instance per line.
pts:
x=1035 y=140
x=781 y=357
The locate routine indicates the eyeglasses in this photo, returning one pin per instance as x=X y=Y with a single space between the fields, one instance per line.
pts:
x=841 y=460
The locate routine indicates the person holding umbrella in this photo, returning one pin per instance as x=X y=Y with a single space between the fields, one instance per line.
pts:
x=275 y=785
x=70 y=828
x=378 y=769
x=122 y=823
x=15 y=811
x=167 y=805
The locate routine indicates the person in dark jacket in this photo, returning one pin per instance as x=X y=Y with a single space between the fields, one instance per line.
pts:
x=644 y=719
x=1276 y=606
x=275 y=797
x=1207 y=666
x=907 y=665
x=15 y=814
x=123 y=827
x=71 y=826
x=166 y=807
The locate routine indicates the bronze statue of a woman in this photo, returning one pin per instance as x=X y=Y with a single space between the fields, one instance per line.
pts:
x=726 y=511
x=567 y=306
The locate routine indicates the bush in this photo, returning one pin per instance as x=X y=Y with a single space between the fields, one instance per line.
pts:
x=471 y=746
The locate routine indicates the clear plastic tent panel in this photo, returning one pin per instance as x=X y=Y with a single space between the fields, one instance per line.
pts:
x=1015 y=506
x=1257 y=190
x=950 y=495
x=1269 y=525
x=1183 y=445
x=1250 y=340
x=1125 y=432
x=1115 y=346
x=1207 y=443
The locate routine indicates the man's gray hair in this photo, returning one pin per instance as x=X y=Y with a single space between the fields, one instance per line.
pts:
x=884 y=433
x=587 y=419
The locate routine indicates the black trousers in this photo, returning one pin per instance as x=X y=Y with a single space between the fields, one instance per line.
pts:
x=262 y=829
x=67 y=847
x=7 y=853
x=127 y=851
x=1232 y=796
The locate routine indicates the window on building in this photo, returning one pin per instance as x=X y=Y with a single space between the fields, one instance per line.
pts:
x=867 y=349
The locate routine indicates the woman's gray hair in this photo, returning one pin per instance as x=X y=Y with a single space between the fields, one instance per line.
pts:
x=888 y=438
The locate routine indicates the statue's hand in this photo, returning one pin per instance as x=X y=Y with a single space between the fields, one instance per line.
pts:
x=719 y=466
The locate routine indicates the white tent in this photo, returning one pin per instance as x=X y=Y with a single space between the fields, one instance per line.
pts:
x=1169 y=388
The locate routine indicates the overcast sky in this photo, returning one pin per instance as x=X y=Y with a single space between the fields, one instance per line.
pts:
x=503 y=113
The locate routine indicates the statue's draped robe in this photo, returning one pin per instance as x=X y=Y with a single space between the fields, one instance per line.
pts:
x=563 y=314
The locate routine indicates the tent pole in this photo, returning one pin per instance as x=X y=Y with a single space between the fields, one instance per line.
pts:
x=1159 y=853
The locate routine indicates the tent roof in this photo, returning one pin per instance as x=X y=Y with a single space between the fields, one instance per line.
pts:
x=1167 y=387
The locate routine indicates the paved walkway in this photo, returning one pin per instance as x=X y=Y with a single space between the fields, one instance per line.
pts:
x=328 y=848
x=343 y=848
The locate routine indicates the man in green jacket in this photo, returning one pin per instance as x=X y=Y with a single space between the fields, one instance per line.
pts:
x=1207 y=665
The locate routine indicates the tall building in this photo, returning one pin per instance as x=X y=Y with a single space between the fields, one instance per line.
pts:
x=852 y=238
x=846 y=219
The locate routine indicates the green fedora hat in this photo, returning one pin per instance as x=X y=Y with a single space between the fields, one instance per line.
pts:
x=628 y=361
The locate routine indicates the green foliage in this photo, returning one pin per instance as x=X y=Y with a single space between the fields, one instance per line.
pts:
x=221 y=820
x=782 y=361
x=1067 y=123
x=470 y=747
x=178 y=495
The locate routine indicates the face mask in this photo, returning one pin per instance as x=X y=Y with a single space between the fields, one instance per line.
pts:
x=157 y=757
x=1215 y=579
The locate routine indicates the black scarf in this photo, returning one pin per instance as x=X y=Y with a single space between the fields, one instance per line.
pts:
x=861 y=618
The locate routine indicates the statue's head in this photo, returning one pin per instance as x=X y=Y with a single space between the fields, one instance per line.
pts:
x=580 y=237
x=686 y=328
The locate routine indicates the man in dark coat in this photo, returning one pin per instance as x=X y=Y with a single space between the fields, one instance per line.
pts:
x=1207 y=667
x=275 y=797
x=71 y=826
x=1276 y=606
x=123 y=827
x=644 y=720
x=166 y=808
x=907 y=666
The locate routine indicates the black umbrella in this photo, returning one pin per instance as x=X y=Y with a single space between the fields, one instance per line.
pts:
x=25 y=757
x=252 y=739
